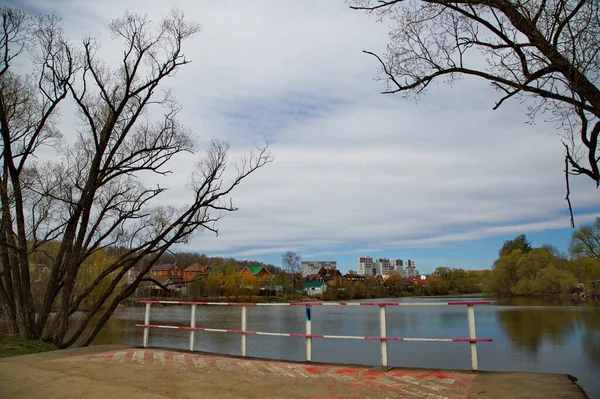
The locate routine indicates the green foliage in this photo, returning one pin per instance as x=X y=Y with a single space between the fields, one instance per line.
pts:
x=585 y=242
x=585 y=269
x=17 y=347
x=535 y=273
x=520 y=242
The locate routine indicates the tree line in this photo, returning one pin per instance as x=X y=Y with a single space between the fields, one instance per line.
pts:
x=522 y=270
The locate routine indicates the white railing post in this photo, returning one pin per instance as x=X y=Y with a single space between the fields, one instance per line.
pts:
x=192 y=325
x=244 y=336
x=146 y=322
x=308 y=333
x=383 y=334
x=472 y=335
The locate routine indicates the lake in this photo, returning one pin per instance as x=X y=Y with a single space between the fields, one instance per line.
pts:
x=530 y=334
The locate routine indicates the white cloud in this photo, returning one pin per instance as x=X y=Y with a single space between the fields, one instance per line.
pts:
x=355 y=171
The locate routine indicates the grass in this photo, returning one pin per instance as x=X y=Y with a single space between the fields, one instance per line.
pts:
x=16 y=347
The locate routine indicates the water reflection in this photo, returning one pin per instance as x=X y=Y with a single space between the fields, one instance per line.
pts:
x=590 y=338
x=530 y=328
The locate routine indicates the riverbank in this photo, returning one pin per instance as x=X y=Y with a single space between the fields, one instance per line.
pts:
x=117 y=371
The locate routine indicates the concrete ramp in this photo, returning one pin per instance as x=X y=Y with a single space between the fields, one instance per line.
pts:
x=119 y=372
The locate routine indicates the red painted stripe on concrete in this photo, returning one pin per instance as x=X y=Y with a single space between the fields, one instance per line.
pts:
x=469 y=303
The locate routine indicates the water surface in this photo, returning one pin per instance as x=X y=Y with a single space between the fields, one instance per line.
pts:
x=545 y=335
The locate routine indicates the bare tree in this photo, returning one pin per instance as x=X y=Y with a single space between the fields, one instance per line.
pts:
x=545 y=53
x=290 y=263
x=91 y=196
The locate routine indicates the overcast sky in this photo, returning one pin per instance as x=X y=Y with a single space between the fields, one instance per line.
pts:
x=444 y=182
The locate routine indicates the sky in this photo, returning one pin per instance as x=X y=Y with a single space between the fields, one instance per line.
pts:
x=443 y=181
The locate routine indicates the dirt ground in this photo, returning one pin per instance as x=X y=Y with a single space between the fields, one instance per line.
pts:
x=121 y=372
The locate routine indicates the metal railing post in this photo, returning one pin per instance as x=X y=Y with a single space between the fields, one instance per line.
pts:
x=383 y=334
x=146 y=322
x=308 y=333
x=244 y=336
x=472 y=335
x=192 y=325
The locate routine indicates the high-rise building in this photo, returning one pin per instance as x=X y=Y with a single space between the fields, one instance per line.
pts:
x=396 y=265
x=313 y=266
x=411 y=269
x=365 y=266
x=382 y=266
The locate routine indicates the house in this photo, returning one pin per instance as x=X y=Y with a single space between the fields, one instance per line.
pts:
x=354 y=277
x=315 y=288
x=170 y=270
x=256 y=272
x=330 y=275
x=196 y=272
x=311 y=278
x=175 y=284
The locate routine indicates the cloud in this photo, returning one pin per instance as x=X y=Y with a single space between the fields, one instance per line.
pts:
x=355 y=171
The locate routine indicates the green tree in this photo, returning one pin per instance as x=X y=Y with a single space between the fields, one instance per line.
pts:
x=436 y=286
x=520 y=242
x=504 y=274
x=537 y=272
x=585 y=269
x=585 y=242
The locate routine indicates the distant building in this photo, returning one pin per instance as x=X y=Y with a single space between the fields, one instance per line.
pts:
x=411 y=270
x=255 y=272
x=315 y=288
x=354 y=277
x=382 y=266
x=396 y=265
x=365 y=266
x=196 y=272
x=167 y=270
x=313 y=266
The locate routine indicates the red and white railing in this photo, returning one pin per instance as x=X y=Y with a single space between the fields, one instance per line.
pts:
x=308 y=335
